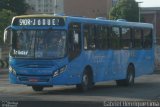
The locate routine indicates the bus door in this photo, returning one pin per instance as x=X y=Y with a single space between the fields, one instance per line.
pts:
x=74 y=45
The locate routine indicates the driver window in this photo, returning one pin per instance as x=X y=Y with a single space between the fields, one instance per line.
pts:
x=74 y=40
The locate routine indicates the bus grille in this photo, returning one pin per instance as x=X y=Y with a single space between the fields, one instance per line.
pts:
x=33 y=79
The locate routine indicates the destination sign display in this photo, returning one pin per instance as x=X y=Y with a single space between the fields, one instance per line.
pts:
x=39 y=22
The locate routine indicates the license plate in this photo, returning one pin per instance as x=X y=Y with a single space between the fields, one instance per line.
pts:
x=33 y=80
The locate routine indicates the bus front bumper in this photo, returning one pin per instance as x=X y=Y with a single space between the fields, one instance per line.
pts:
x=45 y=81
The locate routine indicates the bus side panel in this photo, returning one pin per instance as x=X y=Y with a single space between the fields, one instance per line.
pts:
x=108 y=64
x=117 y=64
x=76 y=68
x=101 y=62
x=144 y=62
x=124 y=62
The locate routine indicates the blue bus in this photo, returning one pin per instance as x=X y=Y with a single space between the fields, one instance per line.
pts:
x=48 y=50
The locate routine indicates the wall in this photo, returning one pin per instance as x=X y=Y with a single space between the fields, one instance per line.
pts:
x=87 y=8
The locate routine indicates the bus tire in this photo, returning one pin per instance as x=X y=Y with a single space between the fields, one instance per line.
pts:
x=37 y=88
x=86 y=82
x=129 y=81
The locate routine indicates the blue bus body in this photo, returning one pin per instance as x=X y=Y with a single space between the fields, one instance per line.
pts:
x=107 y=64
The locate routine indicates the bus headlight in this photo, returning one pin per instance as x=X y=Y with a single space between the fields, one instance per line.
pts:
x=12 y=70
x=59 y=71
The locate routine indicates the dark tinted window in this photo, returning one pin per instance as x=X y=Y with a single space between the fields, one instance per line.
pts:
x=115 y=38
x=147 y=36
x=102 y=37
x=126 y=38
x=89 y=36
x=138 y=38
x=74 y=39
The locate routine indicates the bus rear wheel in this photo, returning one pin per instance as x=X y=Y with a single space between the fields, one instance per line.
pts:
x=129 y=81
x=86 y=83
x=37 y=88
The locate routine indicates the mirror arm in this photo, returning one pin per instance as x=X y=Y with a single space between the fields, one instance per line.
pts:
x=6 y=31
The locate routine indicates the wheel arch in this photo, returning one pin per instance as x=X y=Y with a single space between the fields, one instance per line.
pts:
x=89 y=70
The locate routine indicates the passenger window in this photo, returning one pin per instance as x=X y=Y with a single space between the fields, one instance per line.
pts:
x=126 y=38
x=147 y=35
x=74 y=40
x=102 y=37
x=115 y=40
x=138 y=38
x=89 y=37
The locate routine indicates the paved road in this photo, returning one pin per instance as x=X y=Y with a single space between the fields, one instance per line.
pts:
x=147 y=88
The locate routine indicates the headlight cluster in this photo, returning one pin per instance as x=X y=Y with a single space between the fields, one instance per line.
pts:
x=59 y=71
x=11 y=70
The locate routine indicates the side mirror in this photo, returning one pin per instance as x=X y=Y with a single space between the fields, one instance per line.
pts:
x=7 y=35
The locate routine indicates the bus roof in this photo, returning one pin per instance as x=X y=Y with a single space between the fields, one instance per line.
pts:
x=91 y=20
x=111 y=22
x=38 y=15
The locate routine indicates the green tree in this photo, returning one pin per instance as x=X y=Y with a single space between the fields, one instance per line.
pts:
x=16 y=6
x=5 y=20
x=125 y=9
x=8 y=9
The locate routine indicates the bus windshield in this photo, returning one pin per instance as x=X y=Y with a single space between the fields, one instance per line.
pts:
x=43 y=44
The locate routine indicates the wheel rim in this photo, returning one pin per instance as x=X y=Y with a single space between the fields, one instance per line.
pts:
x=85 y=80
x=130 y=77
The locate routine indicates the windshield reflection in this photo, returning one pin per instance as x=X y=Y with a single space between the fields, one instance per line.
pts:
x=39 y=44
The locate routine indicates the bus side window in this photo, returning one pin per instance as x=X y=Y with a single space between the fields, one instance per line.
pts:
x=74 y=40
x=102 y=37
x=89 y=37
x=115 y=38
x=126 y=38
x=138 y=38
x=147 y=35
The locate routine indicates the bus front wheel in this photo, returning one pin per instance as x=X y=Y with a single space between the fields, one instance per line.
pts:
x=129 y=81
x=86 y=83
x=37 y=88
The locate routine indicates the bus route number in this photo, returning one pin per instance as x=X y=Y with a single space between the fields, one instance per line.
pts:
x=38 y=22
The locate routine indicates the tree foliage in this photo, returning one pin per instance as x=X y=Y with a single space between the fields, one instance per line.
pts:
x=8 y=9
x=125 y=9
x=5 y=20
x=16 y=6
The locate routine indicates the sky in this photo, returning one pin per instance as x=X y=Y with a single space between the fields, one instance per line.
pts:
x=149 y=3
